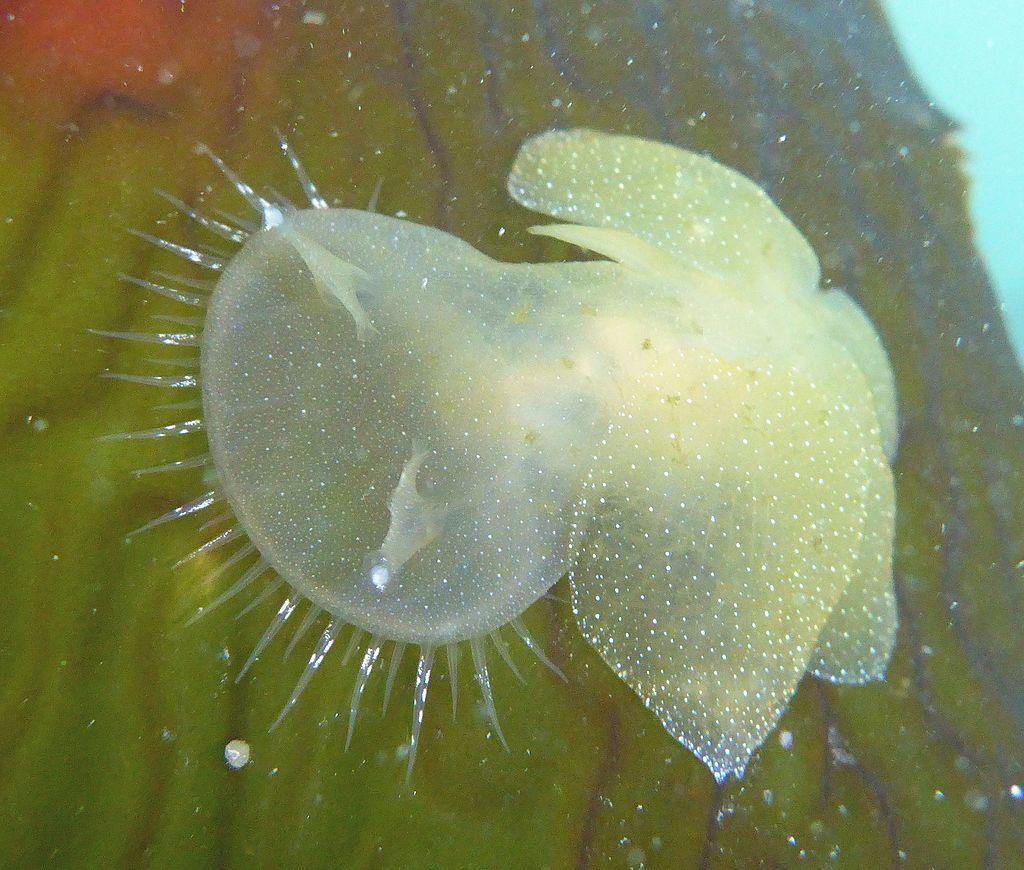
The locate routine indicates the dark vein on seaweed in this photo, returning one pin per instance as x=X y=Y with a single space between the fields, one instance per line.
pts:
x=654 y=22
x=629 y=86
x=871 y=779
x=407 y=76
x=922 y=684
x=605 y=770
x=711 y=825
x=490 y=42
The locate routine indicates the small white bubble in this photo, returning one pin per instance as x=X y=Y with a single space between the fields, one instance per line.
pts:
x=236 y=754
x=379 y=576
x=786 y=739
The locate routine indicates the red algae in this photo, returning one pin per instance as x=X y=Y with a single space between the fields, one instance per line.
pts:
x=75 y=53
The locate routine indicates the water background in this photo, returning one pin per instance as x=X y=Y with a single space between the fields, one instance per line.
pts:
x=968 y=58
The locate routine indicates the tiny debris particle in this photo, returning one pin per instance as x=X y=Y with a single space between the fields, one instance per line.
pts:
x=786 y=739
x=236 y=754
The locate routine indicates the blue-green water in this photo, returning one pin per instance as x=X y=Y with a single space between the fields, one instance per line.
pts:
x=968 y=58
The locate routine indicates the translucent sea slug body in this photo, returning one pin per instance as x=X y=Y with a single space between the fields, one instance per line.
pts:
x=420 y=440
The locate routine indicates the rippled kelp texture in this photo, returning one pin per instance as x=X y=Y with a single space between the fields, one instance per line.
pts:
x=115 y=716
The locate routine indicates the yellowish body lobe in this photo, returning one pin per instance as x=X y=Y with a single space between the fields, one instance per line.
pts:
x=735 y=527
